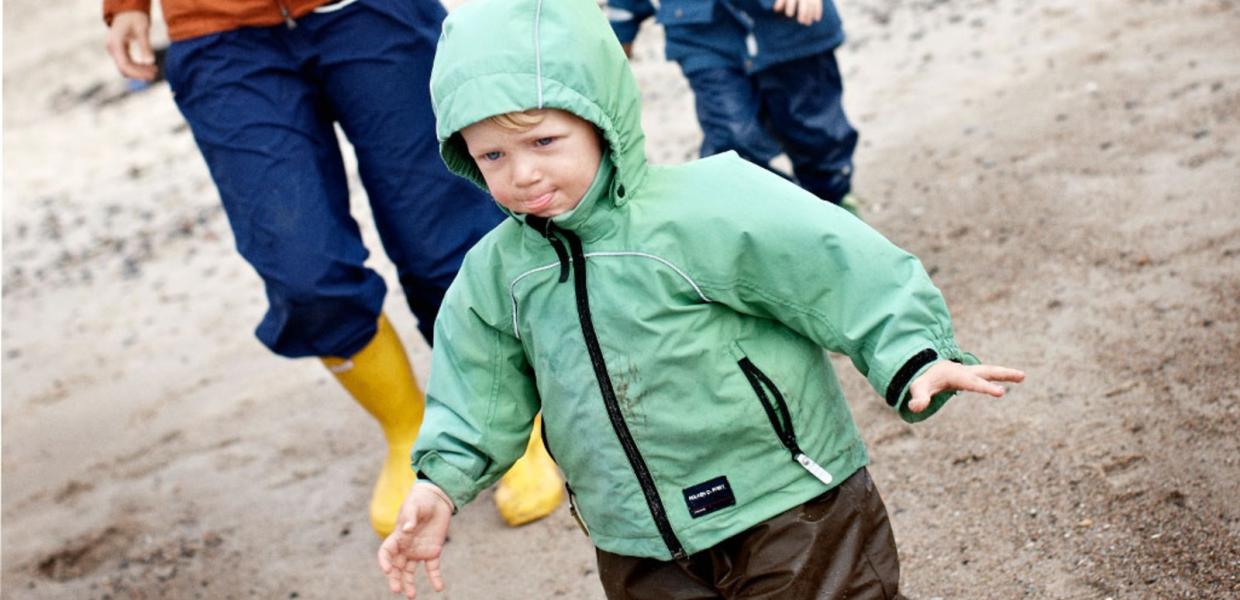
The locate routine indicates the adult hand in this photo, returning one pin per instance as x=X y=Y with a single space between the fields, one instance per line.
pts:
x=946 y=375
x=128 y=28
x=418 y=538
x=806 y=12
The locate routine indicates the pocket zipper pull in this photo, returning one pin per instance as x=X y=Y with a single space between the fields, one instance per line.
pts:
x=814 y=468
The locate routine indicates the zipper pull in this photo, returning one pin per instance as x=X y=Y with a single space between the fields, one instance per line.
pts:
x=814 y=468
x=288 y=19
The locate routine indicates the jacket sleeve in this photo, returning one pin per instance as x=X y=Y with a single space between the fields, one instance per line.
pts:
x=626 y=17
x=833 y=279
x=111 y=7
x=481 y=399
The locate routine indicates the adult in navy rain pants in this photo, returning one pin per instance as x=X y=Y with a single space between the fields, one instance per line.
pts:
x=762 y=82
x=261 y=102
x=262 y=85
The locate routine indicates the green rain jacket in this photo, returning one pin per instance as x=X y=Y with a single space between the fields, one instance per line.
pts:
x=670 y=328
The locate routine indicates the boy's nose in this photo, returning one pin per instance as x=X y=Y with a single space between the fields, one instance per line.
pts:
x=526 y=173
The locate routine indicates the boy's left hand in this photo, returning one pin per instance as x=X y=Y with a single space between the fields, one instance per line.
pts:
x=947 y=375
x=806 y=12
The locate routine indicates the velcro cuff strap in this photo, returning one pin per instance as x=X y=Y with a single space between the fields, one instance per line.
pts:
x=896 y=388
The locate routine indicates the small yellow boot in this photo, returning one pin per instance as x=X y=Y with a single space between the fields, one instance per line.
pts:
x=380 y=378
x=532 y=488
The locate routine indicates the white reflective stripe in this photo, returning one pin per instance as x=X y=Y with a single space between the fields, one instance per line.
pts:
x=618 y=14
x=512 y=293
x=326 y=8
x=343 y=367
x=538 y=50
x=671 y=266
x=814 y=468
x=512 y=287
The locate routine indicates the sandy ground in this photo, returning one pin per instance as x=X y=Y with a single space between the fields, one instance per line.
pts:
x=1069 y=172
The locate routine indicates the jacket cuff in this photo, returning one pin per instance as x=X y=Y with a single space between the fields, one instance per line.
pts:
x=111 y=7
x=458 y=485
x=897 y=392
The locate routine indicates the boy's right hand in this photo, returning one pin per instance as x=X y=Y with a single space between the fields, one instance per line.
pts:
x=132 y=27
x=806 y=12
x=946 y=375
x=420 y=531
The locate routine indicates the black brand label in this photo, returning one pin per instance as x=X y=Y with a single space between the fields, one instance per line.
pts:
x=708 y=497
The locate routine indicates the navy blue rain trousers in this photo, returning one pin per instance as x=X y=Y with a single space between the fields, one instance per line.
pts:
x=762 y=82
x=793 y=106
x=262 y=103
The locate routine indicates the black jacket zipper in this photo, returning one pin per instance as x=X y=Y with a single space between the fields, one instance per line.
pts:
x=578 y=260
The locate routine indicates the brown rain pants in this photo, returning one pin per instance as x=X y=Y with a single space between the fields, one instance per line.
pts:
x=836 y=546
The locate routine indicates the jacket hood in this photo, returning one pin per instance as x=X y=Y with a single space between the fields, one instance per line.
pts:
x=500 y=56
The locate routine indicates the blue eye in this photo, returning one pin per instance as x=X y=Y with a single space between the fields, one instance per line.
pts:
x=544 y=141
x=493 y=155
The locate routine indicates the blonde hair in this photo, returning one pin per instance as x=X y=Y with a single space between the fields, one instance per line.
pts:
x=518 y=120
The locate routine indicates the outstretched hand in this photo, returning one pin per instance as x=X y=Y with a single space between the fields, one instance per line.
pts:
x=128 y=28
x=806 y=12
x=418 y=538
x=946 y=375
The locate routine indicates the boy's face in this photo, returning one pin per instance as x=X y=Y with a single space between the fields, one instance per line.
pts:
x=542 y=171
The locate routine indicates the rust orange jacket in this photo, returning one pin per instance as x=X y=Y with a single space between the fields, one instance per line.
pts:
x=192 y=18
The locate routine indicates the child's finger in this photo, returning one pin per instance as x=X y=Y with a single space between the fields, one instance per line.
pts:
x=404 y=564
x=392 y=572
x=432 y=573
x=393 y=578
x=404 y=535
x=981 y=386
x=779 y=6
x=411 y=567
x=996 y=373
x=919 y=398
x=385 y=554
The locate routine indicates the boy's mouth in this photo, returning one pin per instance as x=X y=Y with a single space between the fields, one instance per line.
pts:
x=538 y=203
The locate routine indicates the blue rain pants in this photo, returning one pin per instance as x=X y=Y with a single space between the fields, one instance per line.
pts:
x=793 y=106
x=262 y=103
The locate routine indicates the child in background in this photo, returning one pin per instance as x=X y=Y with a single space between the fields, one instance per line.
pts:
x=669 y=323
x=764 y=78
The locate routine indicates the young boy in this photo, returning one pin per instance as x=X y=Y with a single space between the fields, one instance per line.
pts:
x=669 y=322
x=765 y=80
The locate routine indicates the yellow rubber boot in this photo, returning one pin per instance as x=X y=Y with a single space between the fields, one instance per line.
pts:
x=380 y=378
x=532 y=488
